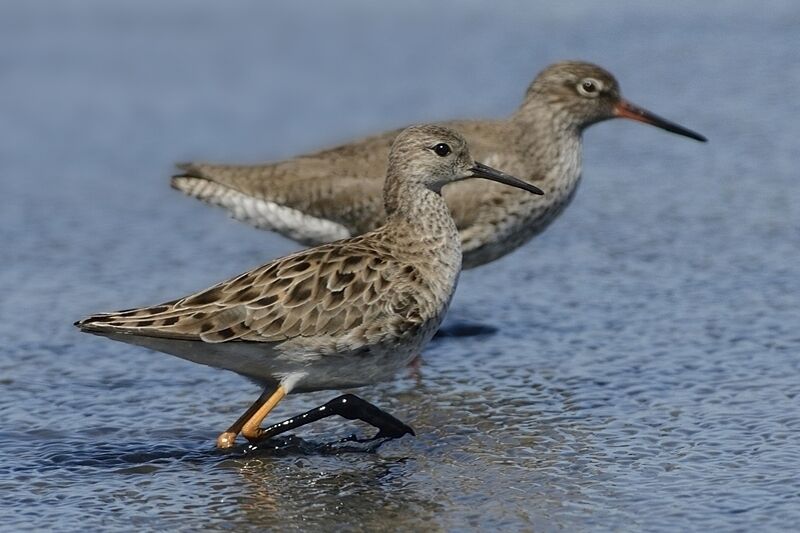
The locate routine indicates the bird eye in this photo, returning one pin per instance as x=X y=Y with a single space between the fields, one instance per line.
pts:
x=590 y=87
x=442 y=149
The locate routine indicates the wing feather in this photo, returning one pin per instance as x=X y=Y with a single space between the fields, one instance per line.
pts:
x=324 y=291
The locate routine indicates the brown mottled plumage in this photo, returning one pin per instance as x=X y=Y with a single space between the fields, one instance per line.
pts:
x=337 y=193
x=361 y=288
x=339 y=315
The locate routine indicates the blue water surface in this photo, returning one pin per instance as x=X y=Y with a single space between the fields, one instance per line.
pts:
x=645 y=371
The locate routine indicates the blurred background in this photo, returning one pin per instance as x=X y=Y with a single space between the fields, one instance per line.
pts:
x=644 y=375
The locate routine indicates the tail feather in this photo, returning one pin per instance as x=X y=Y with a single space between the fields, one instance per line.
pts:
x=200 y=188
x=157 y=321
x=192 y=170
x=193 y=181
x=237 y=177
x=257 y=210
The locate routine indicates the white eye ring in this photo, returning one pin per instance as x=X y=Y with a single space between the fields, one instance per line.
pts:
x=590 y=87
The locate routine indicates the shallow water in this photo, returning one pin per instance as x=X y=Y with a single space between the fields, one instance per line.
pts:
x=644 y=375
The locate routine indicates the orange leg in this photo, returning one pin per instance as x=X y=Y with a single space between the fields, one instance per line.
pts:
x=251 y=429
x=248 y=424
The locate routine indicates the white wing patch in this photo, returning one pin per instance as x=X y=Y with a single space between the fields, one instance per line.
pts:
x=264 y=214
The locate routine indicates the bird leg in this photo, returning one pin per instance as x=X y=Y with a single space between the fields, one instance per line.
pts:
x=347 y=406
x=248 y=423
x=414 y=368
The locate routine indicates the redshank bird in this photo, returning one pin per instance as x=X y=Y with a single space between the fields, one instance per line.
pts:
x=336 y=193
x=340 y=315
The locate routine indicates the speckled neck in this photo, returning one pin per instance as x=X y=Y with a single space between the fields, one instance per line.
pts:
x=420 y=231
x=550 y=146
x=548 y=155
x=420 y=211
x=546 y=126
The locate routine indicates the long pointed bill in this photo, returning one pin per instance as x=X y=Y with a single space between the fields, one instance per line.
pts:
x=482 y=171
x=626 y=109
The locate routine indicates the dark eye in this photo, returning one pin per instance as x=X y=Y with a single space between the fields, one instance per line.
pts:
x=442 y=149
x=590 y=87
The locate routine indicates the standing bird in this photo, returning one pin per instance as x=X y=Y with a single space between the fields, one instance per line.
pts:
x=340 y=315
x=336 y=193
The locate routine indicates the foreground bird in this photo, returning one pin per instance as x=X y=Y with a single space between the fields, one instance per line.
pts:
x=340 y=315
x=336 y=193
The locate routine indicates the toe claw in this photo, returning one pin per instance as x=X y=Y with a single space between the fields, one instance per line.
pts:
x=226 y=440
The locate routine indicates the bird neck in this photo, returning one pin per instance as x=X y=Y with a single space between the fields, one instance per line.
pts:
x=550 y=146
x=416 y=204
x=418 y=219
x=548 y=154
x=420 y=232
x=547 y=127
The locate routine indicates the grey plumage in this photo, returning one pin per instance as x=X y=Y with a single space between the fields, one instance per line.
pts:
x=335 y=193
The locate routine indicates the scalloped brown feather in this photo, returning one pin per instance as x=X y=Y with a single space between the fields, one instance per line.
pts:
x=324 y=291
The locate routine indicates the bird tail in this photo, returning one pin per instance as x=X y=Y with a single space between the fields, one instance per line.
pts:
x=198 y=181
x=158 y=321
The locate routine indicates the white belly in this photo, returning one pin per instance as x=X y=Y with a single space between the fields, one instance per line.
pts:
x=272 y=363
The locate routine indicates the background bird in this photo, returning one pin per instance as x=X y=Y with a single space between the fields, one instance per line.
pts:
x=337 y=193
